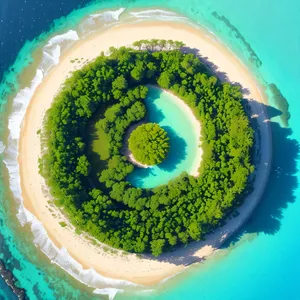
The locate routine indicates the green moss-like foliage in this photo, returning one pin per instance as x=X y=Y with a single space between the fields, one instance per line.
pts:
x=110 y=208
x=149 y=144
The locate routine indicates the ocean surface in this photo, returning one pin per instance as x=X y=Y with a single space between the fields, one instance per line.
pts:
x=162 y=108
x=261 y=261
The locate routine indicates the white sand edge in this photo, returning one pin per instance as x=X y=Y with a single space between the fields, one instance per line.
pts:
x=130 y=267
x=196 y=127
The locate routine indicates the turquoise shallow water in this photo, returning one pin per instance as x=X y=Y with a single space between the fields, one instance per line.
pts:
x=262 y=261
x=184 y=140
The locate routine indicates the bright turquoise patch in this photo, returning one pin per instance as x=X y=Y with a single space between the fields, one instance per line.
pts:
x=184 y=141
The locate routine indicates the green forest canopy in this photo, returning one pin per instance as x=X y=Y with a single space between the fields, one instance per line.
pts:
x=149 y=144
x=111 y=209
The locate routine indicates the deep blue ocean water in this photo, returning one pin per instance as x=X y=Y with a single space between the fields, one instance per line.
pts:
x=261 y=261
x=22 y=20
x=5 y=291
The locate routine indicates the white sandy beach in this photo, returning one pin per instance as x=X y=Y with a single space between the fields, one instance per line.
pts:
x=143 y=270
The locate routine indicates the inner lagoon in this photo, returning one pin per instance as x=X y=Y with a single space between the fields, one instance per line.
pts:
x=166 y=110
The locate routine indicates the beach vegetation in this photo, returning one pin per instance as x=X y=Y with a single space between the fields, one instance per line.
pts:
x=78 y=231
x=109 y=207
x=158 y=45
x=63 y=224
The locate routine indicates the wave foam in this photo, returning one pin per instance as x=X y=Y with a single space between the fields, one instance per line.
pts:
x=61 y=257
x=71 y=35
x=157 y=14
x=111 y=292
x=51 y=56
x=20 y=104
x=52 y=50
x=109 y=15
x=2 y=147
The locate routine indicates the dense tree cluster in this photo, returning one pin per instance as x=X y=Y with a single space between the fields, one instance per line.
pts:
x=114 y=211
x=156 y=44
x=149 y=144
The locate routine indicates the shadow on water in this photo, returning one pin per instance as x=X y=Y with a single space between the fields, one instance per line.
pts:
x=178 y=146
x=279 y=193
x=176 y=155
x=282 y=183
x=272 y=112
x=139 y=175
x=177 y=152
x=155 y=114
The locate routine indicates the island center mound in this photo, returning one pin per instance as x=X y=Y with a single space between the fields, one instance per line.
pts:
x=149 y=144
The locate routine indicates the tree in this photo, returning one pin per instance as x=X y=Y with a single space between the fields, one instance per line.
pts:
x=157 y=247
x=165 y=80
x=83 y=166
x=120 y=83
x=149 y=144
x=138 y=72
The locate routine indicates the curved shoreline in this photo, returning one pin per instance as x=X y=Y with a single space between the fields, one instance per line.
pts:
x=126 y=152
x=196 y=126
x=143 y=270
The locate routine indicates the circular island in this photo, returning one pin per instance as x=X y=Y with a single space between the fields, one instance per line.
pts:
x=112 y=210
